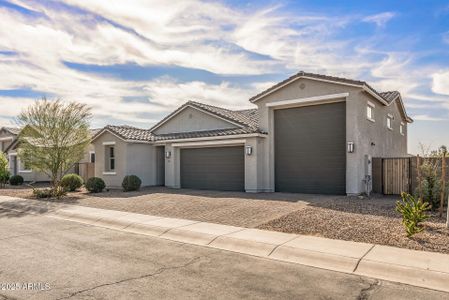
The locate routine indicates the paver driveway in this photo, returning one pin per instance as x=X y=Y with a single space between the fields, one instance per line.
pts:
x=238 y=209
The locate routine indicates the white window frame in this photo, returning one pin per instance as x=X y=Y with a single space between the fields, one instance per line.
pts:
x=401 y=128
x=19 y=164
x=370 y=111
x=107 y=167
x=390 y=119
x=90 y=156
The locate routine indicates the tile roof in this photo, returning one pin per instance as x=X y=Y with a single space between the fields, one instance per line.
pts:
x=390 y=96
x=241 y=117
x=247 y=119
x=128 y=132
x=205 y=133
x=317 y=76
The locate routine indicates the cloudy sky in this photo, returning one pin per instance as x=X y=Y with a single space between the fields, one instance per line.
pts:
x=134 y=61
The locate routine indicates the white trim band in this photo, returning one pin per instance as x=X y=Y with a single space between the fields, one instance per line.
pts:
x=109 y=173
x=211 y=143
x=309 y=100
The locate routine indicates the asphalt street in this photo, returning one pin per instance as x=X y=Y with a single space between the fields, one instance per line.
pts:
x=46 y=258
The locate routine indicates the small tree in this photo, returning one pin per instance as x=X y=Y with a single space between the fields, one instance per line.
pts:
x=54 y=136
x=4 y=171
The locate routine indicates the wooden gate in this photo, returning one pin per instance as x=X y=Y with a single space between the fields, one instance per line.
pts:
x=396 y=176
x=391 y=176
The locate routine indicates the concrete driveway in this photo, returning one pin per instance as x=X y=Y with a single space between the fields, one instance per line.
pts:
x=62 y=260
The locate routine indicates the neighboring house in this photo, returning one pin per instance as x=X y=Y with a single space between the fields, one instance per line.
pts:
x=309 y=134
x=11 y=145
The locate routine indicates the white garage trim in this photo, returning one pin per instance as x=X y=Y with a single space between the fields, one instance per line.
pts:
x=224 y=137
x=211 y=143
x=309 y=101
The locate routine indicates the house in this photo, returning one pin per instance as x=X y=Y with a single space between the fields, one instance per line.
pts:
x=310 y=133
x=10 y=146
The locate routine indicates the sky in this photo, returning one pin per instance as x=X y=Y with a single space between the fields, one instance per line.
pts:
x=135 y=61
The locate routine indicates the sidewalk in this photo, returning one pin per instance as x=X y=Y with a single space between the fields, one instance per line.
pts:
x=419 y=268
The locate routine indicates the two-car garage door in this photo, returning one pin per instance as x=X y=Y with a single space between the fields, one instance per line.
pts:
x=310 y=149
x=216 y=168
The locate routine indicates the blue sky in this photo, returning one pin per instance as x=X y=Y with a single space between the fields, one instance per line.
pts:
x=135 y=61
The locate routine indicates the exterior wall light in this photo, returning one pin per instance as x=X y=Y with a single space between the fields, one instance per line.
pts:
x=249 y=150
x=351 y=147
x=167 y=154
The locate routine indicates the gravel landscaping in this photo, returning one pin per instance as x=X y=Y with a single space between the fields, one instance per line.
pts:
x=371 y=220
x=362 y=220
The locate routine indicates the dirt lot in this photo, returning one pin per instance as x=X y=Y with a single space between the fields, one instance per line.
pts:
x=363 y=220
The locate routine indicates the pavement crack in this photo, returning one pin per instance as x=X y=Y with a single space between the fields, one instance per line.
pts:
x=155 y=273
x=4 y=297
x=365 y=293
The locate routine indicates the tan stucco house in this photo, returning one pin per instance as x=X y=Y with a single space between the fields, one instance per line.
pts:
x=310 y=133
x=10 y=145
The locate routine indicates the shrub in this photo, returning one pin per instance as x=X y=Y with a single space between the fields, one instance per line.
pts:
x=4 y=172
x=56 y=192
x=71 y=182
x=4 y=177
x=16 y=180
x=413 y=212
x=430 y=183
x=95 y=185
x=131 y=183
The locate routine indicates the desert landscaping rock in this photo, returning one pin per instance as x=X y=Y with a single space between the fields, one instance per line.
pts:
x=372 y=221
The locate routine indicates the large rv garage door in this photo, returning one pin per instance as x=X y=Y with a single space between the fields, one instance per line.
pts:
x=221 y=168
x=310 y=149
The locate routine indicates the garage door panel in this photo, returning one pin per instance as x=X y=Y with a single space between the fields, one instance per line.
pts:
x=220 y=168
x=310 y=149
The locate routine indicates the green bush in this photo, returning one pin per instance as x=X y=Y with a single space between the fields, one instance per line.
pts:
x=413 y=212
x=4 y=178
x=95 y=185
x=56 y=192
x=131 y=183
x=430 y=184
x=16 y=180
x=4 y=171
x=71 y=182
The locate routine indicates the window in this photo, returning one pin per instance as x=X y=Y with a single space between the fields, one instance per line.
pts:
x=370 y=111
x=24 y=167
x=92 y=157
x=401 y=128
x=110 y=154
x=390 y=122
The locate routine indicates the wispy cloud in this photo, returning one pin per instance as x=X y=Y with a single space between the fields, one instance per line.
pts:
x=426 y=117
x=380 y=19
x=210 y=36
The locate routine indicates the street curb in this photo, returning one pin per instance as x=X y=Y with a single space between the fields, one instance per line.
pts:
x=418 y=268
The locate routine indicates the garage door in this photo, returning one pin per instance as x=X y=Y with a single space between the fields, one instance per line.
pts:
x=310 y=149
x=213 y=168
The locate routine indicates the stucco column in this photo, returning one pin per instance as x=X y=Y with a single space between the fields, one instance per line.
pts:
x=172 y=167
